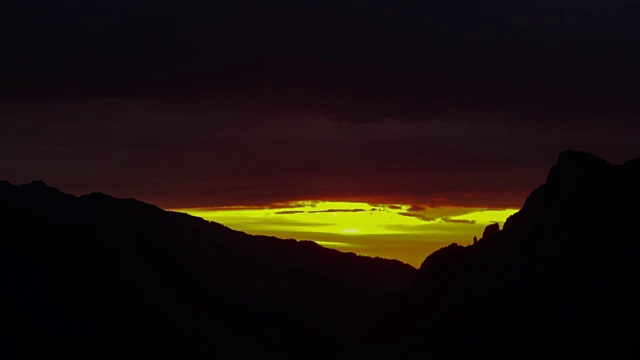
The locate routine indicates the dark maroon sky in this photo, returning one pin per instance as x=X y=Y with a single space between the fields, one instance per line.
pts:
x=236 y=102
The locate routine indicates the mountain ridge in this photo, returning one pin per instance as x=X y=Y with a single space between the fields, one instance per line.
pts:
x=556 y=282
x=100 y=277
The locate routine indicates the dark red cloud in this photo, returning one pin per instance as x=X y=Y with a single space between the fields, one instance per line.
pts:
x=418 y=216
x=186 y=154
x=244 y=103
x=458 y=221
x=335 y=210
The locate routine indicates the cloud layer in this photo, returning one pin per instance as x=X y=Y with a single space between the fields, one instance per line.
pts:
x=247 y=103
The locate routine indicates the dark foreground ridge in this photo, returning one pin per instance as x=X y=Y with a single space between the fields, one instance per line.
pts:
x=96 y=277
x=559 y=281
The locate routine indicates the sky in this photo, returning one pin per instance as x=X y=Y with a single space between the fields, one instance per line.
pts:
x=215 y=104
x=395 y=231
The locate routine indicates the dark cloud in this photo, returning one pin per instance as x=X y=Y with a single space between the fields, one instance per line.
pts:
x=222 y=103
x=355 y=117
x=281 y=221
x=164 y=154
x=335 y=210
x=416 y=208
x=290 y=212
x=458 y=221
x=418 y=216
x=292 y=204
x=412 y=60
x=385 y=207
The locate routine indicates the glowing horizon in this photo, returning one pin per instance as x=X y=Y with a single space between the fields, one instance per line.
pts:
x=396 y=231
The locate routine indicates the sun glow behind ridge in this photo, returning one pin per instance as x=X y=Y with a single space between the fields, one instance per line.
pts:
x=396 y=231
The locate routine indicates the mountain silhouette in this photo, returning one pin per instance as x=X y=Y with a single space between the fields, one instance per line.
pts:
x=97 y=277
x=559 y=281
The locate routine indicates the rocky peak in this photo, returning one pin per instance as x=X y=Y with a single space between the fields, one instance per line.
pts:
x=575 y=165
x=491 y=231
x=560 y=277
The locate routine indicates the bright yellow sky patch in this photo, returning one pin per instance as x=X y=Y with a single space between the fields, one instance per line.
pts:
x=392 y=231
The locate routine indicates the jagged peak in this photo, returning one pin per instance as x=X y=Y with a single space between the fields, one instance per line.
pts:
x=633 y=163
x=574 y=164
x=37 y=186
x=491 y=230
x=98 y=195
x=5 y=187
x=442 y=257
x=576 y=158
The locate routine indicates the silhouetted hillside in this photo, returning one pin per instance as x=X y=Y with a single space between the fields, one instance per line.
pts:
x=95 y=277
x=559 y=281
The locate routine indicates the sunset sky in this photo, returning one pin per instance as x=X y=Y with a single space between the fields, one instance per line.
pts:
x=456 y=108
x=404 y=232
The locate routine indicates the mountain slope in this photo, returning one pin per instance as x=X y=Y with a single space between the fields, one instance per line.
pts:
x=95 y=277
x=558 y=281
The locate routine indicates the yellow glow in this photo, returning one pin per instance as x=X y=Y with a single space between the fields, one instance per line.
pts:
x=351 y=231
x=396 y=231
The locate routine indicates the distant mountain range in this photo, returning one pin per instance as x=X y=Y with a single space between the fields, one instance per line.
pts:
x=96 y=277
